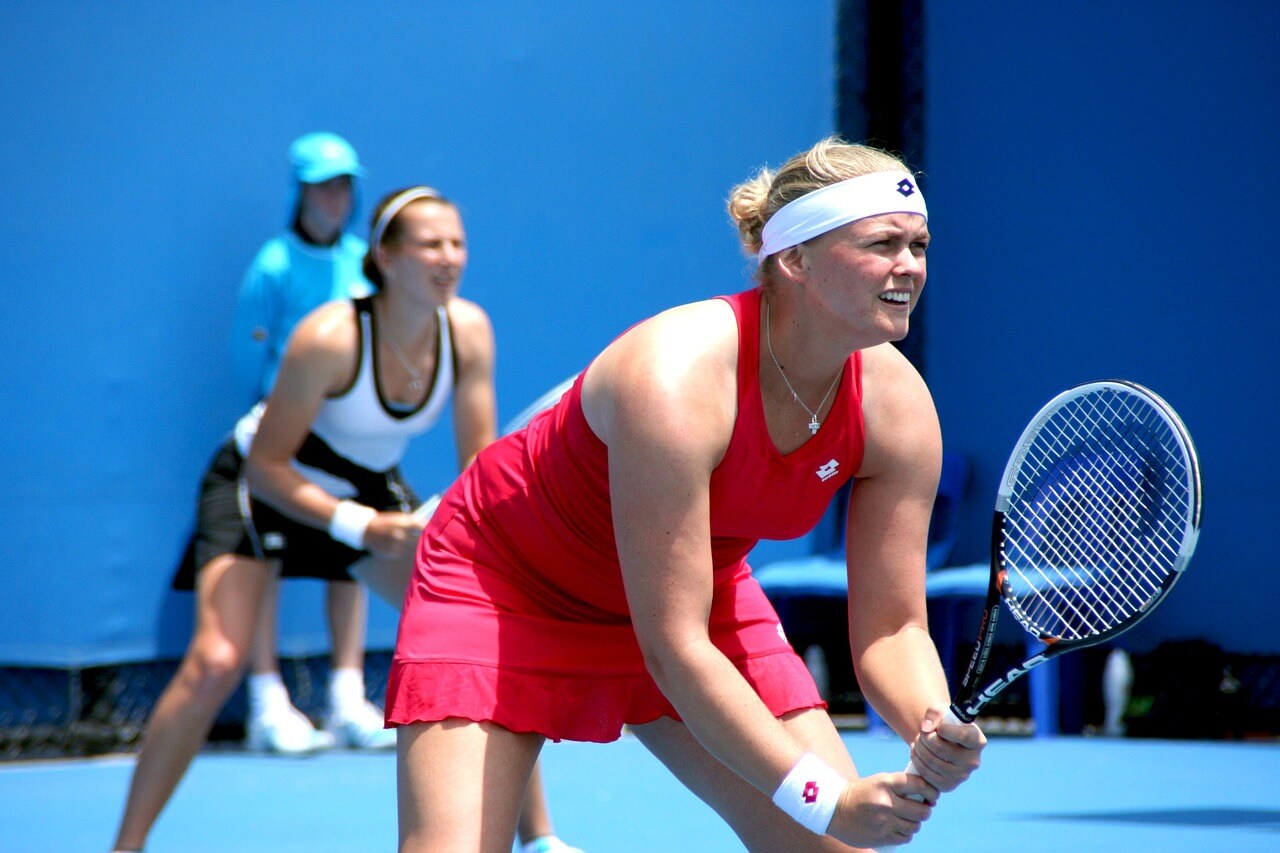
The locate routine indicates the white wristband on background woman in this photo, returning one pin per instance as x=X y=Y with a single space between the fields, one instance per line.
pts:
x=810 y=793
x=349 y=522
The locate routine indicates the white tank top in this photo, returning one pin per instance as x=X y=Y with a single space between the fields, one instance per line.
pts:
x=360 y=425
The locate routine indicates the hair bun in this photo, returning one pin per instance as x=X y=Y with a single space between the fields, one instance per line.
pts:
x=748 y=204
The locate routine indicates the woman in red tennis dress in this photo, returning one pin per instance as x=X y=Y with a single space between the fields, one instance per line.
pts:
x=589 y=571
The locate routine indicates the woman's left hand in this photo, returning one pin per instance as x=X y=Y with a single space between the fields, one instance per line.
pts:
x=393 y=534
x=946 y=754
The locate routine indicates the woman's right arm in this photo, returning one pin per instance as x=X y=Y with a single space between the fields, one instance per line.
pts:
x=319 y=361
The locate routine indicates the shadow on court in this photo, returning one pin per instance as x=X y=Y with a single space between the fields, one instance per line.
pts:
x=1260 y=818
x=1055 y=794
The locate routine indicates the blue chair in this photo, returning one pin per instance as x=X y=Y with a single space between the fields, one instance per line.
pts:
x=796 y=585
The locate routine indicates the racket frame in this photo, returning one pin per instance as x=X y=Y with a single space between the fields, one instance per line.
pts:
x=968 y=700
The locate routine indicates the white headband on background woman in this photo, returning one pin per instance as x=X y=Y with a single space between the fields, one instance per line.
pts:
x=396 y=205
x=839 y=204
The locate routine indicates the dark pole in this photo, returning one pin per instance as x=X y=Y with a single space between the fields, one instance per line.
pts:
x=880 y=96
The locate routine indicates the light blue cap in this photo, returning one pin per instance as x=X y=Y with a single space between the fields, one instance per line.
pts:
x=317 y=157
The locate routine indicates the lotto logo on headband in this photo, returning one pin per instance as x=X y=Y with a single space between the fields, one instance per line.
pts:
x=906 y=187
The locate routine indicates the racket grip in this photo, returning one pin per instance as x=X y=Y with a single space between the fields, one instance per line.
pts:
x=948 y=717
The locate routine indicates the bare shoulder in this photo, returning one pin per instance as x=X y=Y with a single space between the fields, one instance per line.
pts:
x=321 y=353
x=674 y=373
x=473 y=339
x=468 y=317
x=684 y=351
x=901 y=421
x=692 y=331
x=329 y=329
x=888 y=375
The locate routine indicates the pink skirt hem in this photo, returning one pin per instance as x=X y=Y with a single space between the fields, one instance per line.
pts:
x=567 y=706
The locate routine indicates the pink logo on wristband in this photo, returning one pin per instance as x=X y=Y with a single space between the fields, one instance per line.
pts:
x=810 y=793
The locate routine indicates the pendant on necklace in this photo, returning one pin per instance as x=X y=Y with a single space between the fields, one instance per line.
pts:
x=814 y=425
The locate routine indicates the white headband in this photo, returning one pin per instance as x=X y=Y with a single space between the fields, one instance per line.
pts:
x=396 y=205
x=839 y=204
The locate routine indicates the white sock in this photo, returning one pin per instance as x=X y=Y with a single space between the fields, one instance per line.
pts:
x=267 y=694
x=346 y=692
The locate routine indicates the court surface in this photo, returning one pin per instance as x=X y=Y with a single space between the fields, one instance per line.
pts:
x=1069 y=794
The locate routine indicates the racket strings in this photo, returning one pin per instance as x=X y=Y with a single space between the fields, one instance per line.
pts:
x=1080 y=563
x=1096 y=518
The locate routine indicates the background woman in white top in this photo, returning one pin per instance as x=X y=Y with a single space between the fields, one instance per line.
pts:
x=358 y=380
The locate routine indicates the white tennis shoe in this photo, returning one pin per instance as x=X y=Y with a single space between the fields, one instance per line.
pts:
x=286 y=733
x=360 y=727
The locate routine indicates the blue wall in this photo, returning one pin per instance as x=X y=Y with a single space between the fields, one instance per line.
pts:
x=590 y=146
x=1098 y=174
x=1102 y=184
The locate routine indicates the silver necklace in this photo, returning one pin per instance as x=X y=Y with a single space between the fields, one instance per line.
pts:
x=415 y=376
x=814 y=423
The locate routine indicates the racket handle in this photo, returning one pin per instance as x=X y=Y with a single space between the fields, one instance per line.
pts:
x=948 y=717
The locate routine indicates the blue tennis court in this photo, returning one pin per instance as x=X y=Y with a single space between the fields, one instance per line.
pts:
x=1043 y=794
x=1087 y=227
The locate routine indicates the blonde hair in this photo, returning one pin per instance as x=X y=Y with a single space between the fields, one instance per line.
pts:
x=832 y=160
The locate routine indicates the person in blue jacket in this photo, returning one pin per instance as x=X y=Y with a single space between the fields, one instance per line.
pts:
x=315 y=260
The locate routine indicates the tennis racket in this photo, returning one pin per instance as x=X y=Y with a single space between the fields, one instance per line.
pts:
x=1096 y=518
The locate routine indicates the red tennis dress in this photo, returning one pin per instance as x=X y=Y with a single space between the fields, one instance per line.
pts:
x=516 y=613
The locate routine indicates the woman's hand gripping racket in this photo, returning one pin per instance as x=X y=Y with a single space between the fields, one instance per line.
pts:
x=1096 y=518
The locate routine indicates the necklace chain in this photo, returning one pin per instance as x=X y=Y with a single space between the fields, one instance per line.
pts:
x=415 y=376
x=814 y=423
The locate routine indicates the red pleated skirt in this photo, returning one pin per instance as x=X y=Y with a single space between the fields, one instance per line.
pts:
x=483 y=636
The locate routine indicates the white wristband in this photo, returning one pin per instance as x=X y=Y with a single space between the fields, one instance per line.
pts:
x=810 y=793
x=349 y=522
